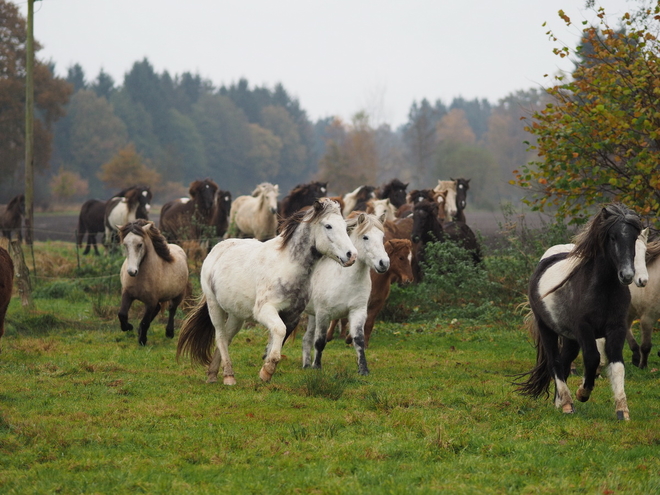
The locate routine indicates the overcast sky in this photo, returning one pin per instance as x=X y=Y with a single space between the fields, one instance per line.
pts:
x=336 y=56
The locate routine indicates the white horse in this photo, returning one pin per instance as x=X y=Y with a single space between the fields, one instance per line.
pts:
x=359 y=195
x=265 y=281
x=153 y=272
x=338 y=292
x=639 y=303
x=383 y=209
x=450 y=199
x=255 y=215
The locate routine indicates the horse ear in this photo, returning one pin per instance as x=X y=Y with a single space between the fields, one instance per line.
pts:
x=362 y=217
x=383 y=217
x=645 y=234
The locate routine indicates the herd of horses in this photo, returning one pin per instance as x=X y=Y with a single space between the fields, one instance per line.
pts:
x=334 y=259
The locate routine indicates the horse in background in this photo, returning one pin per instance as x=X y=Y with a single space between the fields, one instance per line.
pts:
x=399 y=252
x=255 y=215
x=265 y=281
x=300 y=196
x=129 y=205
x=153 y=272
x=462 y=186
x=395 y=190
x=91 y=222
x=450 y=199
x=337 y=292
x=357 y=199
x=6 y=285
x=221 y=208
x=582 y=296
x=383 y=209
x=11 y=217
x=190 y=218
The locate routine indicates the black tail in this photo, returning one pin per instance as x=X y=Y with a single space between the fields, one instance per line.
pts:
x=539 y=378
x=197 y=335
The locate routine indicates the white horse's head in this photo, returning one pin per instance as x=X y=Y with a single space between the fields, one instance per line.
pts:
x=641 y=272
x=382 y=208
x=328 y=229
x=367 y=233
x=134 y=239
x=450 y=199
x=269 y=194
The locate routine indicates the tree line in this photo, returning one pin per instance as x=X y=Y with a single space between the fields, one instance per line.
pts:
x=94 y=135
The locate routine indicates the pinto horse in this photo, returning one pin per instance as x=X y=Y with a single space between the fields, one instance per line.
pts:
x=582 y=296
x=357 y=199
x=399 y=252
x=265 y=281
x=190 y=218
x=395 y=190
x=11 y=217
x=153 y=272
x=338 y=292
x=129 y=205
x=300 y=196
x=255 y=215
x=449 y=186
x=6 y=285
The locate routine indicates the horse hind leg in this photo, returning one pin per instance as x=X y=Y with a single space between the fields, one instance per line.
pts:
x=270 y=318
x=320 y=332
x=647 y=330
x=359 y=344
x=226 y=326
x=569 y=351
x=308 y=342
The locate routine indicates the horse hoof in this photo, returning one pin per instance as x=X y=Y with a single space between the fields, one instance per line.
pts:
x=211 y=378
x=169 y=335
x=568 y=409
x=229 y=380
x=623 y=415
x=364 y=372
x=264 y=375
x=127 y=328
x=583 y=395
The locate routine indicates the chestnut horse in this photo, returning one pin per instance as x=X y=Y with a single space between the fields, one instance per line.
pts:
x=11 y=217
x=153 y=272
x=6 y=285
x=400 y=254
x=190 y=218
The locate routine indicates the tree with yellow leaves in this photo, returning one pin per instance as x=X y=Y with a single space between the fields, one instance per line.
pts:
x=126 y=169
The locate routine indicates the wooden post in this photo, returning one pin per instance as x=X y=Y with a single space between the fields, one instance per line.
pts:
x=29 y=125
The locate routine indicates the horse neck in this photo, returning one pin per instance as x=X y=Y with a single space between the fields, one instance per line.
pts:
x=301 y=250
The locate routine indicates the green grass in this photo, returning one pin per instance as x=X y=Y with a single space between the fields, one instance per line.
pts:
x=84 y=409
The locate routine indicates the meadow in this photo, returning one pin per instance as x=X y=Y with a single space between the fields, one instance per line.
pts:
x=84 y=409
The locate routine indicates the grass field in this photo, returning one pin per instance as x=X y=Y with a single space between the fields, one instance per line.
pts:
x=84 y=409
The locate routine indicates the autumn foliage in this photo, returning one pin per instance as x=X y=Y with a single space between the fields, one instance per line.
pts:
x=599 y=140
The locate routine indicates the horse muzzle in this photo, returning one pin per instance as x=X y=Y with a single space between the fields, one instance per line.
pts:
x=132 y=272
x=351 y=259
x=382 y=266
x=626 y=276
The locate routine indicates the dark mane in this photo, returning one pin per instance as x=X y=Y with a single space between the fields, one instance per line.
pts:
x=302 y=195
x=417 y=195
x=395 y=190
x=591 y=240
x=319 y=209
x=157 y=239
x=203 y=202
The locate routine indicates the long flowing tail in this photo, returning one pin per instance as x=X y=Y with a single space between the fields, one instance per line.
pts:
x=197 y=335
x=539 y=378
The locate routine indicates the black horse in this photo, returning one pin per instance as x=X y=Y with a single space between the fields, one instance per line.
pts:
x=221 y=209
x=300 y=196
x=190 y=218
x=462 y=186
x=11 y=217
x=578 y=297
x=395 y=190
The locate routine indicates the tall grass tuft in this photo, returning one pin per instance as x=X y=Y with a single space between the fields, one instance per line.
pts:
x=318 y=383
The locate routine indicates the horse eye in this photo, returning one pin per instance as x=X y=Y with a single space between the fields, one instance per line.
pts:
x=365 y=238
x=328 y=226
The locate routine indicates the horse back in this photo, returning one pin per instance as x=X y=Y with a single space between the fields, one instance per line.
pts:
x=92 y=214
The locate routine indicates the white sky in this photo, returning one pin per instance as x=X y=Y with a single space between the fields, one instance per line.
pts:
x=336 y=56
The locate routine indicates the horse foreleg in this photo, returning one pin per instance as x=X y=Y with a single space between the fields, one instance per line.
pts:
x=614 y=351
x=646 y=323
x=356 y=321
x=308 y=341
x=632 y=343
x=331 y=331
x=150 y=312
x=126 y=301
x=320 y=333
x=270 y=318
x=174 y=304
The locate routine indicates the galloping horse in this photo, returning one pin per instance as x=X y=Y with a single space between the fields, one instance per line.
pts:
x=255 y=215
x=462 y=186
x=338 y=292
x=383 y=209
x=302 y=195
x=6 y=285
x=400 y=255
x=355 y=200
x=395 y=190
x=153 y=272
x=582 y=296
x=190 y=218
x=450 y=199
x=221 y=207
x=11 y=217
x=266 y=281
x=129 y=205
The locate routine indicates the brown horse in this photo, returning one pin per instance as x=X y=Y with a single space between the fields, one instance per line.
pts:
x=221 y=208
x=11 y=217
x=6 y=285
x=153 y=272
x=300 y=196
x=399 y=252
x=190 y=218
